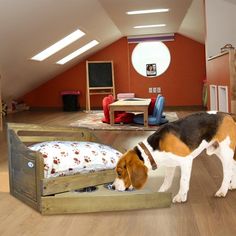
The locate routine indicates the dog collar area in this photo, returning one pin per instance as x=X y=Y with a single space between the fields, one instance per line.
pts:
x=149 y=155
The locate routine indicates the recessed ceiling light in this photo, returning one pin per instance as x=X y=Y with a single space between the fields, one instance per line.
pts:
x=149 y=26
x=147 y=11
x=76 y=53
x=58 y=45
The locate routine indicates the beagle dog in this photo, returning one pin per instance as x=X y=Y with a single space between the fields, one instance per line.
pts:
x=177 y=144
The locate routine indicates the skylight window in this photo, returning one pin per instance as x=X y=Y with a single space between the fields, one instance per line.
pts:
x=76 y=53
x=149 y=26
x=59 y=45
x=148 y=11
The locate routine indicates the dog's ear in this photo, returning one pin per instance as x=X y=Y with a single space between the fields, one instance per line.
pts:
x=137 y=171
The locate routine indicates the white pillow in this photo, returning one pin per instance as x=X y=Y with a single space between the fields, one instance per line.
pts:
x=66 y=158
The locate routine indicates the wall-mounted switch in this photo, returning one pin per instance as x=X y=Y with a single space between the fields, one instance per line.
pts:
x=158 y=90
x=150 y=90
x=154 y=90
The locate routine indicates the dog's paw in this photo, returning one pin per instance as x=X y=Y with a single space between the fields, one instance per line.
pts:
x=220 y=193
x=180 y=198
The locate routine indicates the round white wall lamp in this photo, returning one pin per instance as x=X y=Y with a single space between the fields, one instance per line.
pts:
x=151 y=59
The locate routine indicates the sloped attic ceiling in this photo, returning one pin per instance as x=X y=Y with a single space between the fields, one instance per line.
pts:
x=28 y=27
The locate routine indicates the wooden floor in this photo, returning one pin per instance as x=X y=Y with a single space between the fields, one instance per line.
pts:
x=203 y=214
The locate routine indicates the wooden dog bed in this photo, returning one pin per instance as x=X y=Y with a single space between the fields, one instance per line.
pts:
x=56 y=195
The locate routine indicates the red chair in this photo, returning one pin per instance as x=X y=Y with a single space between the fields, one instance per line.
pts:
x=120 y=117
x=151 y=105
x=105 y=105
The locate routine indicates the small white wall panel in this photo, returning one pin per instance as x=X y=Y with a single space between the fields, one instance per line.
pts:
x=223 y=98
x=213 y=98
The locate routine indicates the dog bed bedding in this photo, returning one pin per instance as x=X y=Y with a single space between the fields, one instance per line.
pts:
x=62 y=158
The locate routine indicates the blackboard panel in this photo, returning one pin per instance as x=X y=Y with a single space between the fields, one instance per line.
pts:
x=100 y=74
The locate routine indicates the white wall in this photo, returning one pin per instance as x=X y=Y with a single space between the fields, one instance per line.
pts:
x=194 y=17
x=220 y=25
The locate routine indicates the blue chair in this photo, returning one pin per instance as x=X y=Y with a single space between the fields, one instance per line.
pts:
x=156 y=118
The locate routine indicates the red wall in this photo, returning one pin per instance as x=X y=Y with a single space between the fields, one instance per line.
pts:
x=181 y=84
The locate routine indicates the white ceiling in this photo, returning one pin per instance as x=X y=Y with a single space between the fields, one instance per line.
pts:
x=28 y=27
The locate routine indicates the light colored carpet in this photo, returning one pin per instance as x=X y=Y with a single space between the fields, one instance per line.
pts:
x=93 y=120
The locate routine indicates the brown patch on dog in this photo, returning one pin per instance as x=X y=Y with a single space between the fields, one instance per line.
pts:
x=131 y=170
x=121 y=171
x=227 y=128
x=171 y=143
x=215 y=145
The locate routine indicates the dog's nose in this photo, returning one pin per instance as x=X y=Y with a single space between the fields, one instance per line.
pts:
x=113 y=187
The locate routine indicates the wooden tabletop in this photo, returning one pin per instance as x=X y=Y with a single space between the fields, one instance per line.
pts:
x=131 y=102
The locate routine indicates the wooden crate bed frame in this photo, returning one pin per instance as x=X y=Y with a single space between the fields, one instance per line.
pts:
x=57 y=195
